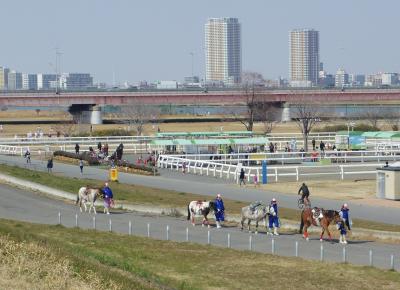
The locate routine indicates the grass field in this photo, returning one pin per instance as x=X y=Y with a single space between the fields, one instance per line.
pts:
x=114 y=261
x=136 y=194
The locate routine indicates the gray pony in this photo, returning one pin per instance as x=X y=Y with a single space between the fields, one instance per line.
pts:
x=256 y=211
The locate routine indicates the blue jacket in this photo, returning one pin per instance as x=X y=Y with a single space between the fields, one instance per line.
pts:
x=342 y=228
x=219 y=204
x=107 y=192
x=345 y=213
x=275 y=206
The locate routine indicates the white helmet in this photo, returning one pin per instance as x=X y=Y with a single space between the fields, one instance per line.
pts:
x=218 y=195
x=274 y=199
x=345 y=205
x=106 y=184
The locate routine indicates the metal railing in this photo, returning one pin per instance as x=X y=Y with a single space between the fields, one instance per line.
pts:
x=12 y=150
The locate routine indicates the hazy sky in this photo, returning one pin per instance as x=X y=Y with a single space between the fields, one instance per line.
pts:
x=152 y=39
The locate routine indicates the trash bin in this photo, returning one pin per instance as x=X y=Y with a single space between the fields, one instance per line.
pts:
x=388 y=182
x=113 y=174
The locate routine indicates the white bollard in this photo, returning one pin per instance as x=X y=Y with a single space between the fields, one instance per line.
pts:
x=76 y=220
x=59 y=218
x=371 y=258
x=273 y=246
x=391 y=262
x=148 y=230
x=187 y=234
x=167 y=233
x=321 y=258
x=110 y=226
x=130 y=228
x=94 y=222
x=344 y=256
x=250 y=243
x=229 y=240
x=208 y=237
x=296 y=249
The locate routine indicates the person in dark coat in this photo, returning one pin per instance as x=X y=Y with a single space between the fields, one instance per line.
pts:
x=219 y=211
x=50 y=165
x=77 y=148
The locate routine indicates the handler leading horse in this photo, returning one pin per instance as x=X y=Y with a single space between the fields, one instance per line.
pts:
x=200 y=208
x=318 y=217
x=256 y=213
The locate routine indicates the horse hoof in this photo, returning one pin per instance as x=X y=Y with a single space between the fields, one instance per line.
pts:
x=208 y=226
x=193 y=224
x=256 y=232
x=307 y=239
x=202 y=225
x=321 y=240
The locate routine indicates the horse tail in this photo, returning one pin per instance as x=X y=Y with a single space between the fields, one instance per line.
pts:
x=188 y=217
x=301 y=223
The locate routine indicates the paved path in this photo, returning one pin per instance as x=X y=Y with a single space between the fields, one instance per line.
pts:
x=210 y=186
x=23 y=205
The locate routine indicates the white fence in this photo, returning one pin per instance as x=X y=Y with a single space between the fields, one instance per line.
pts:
x=232 y=171
x=298 y=157
x=11 y=150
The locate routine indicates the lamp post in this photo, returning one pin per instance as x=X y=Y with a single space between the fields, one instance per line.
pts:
x=349 y=124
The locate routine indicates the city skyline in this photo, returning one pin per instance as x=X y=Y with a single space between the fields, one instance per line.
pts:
x=136 y=41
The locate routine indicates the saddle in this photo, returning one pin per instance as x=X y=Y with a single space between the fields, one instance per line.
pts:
x=254 y=205
x=317 y=214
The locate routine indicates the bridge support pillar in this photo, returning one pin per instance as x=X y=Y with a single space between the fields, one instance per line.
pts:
x=285 y=117
x=86 y=114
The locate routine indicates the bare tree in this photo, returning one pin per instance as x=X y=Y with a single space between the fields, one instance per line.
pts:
x=67 y=128
x=267 y=113
x=306 y=115
x=138 y=115
x=372 y=116
x=392 y=118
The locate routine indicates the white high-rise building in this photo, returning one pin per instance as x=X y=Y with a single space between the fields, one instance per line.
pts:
x=223 y=50
x=304 y=57
x=341 y=78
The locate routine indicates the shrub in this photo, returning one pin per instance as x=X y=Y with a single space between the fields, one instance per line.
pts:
x=84 y=155
x=142 y=167
x=343 y=127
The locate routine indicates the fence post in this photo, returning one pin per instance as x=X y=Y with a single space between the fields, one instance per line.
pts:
x=273 y=246
x=130 y=228
x=371 y=258
x=148 y=230
x=76 y=220
x=167 y=232
x=391 y=262
x=342 y=172
x=344 y=256
x=229 y=240
x=276 y=174
x=94 y=222
x=321 y=258
x=250 y=243
x=59 y=218
x=208 y=237
x=187 y=234
x=296 y=249
x=110 y=223
x=297 y=173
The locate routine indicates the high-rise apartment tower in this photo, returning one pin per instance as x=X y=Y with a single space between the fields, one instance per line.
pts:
x=223 y=50
x=304 y=57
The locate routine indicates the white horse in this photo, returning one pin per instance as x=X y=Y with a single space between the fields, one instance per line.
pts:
x=87 y=195
x=200 y=208
x=259 y=213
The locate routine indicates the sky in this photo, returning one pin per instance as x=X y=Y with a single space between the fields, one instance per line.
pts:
x=132 y=40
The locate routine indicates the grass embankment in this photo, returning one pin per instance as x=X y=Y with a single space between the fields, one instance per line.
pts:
x=137 y=194
x=128 y=262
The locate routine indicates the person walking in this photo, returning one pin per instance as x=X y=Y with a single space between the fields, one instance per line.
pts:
x=50 y=165
x=313 y=143
x=241 y=177
x=108 y=198
x=273 y=219
x=81 y=165
x=344 y=213
x=255 y=180
x=219 y=211
x=77 y=148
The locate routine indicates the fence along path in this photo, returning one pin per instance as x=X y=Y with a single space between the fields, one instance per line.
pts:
x=232 y=171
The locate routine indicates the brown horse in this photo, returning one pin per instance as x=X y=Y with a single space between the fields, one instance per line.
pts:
x=318 y=217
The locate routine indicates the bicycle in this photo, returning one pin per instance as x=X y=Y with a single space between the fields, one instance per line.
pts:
x=301 y=204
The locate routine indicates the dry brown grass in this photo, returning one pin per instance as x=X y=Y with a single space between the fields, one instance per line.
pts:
x=32 y=266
